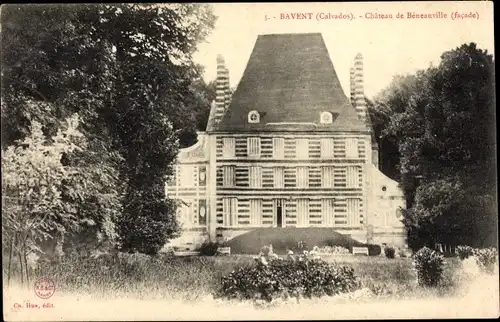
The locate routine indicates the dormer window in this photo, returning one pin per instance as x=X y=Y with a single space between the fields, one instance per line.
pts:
x=253 y=117
x=326 y=118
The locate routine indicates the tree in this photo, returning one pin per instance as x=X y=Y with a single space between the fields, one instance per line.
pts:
x=38 y=204
x=152 y=94
x=127 y=70
x=444 y=126
x=392 y=99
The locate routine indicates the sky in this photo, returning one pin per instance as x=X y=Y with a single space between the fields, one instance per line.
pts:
x=389 y=46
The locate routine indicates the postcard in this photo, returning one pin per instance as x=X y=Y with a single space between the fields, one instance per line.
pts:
x=249 y=161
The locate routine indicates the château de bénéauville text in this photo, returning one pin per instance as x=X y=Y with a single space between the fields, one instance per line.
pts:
x=367 y=15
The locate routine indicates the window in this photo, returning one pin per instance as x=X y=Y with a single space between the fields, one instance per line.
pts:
x=326 y=147
x=302 y=212
x=255 y=177
x=255 y=212
x=328 y=211
x=353 y=211
x=202 y=212
x=230 y=212
x=352 y=177
x=302 y=149
x=186 y=176
x=351 y=148
x=202 y=175
x=228 y=147
x=186 y=211
x=228 y=176
x=278 y=148
x=327 y=177
x=253 y=147
x=302 y=177
x=253 y=117
x=326 y=118
x=279 y=177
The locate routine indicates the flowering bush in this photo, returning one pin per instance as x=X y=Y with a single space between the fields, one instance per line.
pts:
x=429 y=267
x=486 y=259
x=281 y=279
x=403 y=253
x=464 y=252
x=266 y=250
x=389 y=252
x=334 y=250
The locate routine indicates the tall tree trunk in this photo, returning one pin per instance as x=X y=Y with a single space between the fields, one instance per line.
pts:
x=26 y=268
x=11 y=250
x=21 y=266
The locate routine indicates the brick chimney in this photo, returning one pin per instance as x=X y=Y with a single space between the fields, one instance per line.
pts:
x=352 y=86
x=223 y=94
x=357 y=83
x=228 y=91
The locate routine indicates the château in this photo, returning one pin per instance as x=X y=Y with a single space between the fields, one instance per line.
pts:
x=287 y=149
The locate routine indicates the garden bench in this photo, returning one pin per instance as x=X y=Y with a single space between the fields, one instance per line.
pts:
x=186 y=253
x=360 y=250
x=224 y=250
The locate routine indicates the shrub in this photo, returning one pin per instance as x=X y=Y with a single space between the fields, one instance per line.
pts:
x=389 y=252
x=486 y=259
x=280 y=279
x=464 y=252
x=374 y=250
x=429 y=266
x=266 y=250
x=402 y=253
x=208 y=248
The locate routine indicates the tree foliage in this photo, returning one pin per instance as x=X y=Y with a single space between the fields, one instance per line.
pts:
x=45 y=201
x=127 y=71
x=442 y=120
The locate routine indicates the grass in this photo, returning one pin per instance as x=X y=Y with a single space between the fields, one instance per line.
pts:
x=191 y=278
x=136 y=287
x=142 y=276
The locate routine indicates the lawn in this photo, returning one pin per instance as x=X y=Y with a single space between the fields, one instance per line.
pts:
x=140 y=287
x=191 y=278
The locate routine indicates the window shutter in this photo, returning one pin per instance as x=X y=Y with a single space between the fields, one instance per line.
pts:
x=228 y=179
x=302 y=177
x=228 y=147
x=353 y=211
x=279 y=177
x=302 y=212
x=351 y=148
x=326 y=148
x=255 y=177
x=302 y=149
x=328 y=212
x=230 y=212
x=253 y=147
x=352 y=177
x=327 y=177
x=278 y=148
x=255 y=212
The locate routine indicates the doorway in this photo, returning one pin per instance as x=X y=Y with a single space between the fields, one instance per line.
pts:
x=280 y=203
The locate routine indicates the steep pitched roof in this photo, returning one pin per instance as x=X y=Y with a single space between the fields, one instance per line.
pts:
x=290 y=80
x=211 y=117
